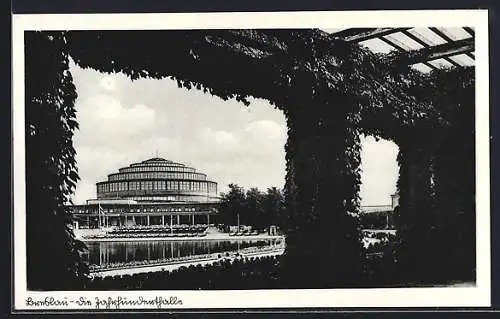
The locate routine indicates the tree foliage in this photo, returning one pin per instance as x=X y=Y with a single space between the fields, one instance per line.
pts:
x=254 y=207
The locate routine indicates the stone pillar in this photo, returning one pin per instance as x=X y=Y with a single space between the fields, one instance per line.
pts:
x=192 y=219
x=147 y=220
x=163 y=220
x=178 y=219
x=208 y=219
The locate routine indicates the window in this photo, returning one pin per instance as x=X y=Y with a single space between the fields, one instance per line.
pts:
x=161 y=185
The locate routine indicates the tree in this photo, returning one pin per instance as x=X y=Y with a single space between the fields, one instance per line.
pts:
x=255 y=208
x=274 y=208
x=232 y=204
x=254 y=213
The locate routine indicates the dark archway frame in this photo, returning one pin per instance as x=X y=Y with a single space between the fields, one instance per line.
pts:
x=330 y=91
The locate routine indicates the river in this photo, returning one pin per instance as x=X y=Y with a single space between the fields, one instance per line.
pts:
x=102 y=253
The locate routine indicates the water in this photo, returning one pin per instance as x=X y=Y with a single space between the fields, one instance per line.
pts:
x=102 y=253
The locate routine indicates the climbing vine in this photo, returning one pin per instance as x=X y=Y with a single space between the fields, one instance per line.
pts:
x=53 y=258
x=330 y=91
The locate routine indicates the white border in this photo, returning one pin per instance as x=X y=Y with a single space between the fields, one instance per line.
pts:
x=407 y=297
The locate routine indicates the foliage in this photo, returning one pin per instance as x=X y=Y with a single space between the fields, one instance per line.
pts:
x=377 y=220
x=53 y=260
x=255 y=208
x=437 y=183
x=330 y=92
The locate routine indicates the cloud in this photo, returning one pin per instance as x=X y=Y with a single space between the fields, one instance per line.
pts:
x=122 y=122
x=108 y=83
x=104 y=120
x=266 y=129
x=379 y=171
x=222 y=140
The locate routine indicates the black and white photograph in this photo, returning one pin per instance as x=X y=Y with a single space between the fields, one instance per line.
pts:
x=272 y=160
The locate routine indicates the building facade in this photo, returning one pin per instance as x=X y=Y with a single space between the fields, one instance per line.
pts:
x=379 y=216
x=154 y=192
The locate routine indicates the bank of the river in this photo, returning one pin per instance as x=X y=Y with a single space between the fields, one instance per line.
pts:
x=169 y=265
x=213 y=236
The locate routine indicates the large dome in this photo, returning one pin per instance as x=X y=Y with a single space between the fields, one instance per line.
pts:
x=158 y=179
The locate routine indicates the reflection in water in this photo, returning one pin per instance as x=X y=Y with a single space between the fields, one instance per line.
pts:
x=101 y=253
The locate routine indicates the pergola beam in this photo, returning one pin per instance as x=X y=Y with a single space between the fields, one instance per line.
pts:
x=441 y=51
x=426 y=45
x=469 y=30
x=428 y=53
x=358 y=35
x=447 y=38
x=402 y=48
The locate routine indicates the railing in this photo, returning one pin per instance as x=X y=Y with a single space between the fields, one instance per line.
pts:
x=153 y=231
x=145 y=235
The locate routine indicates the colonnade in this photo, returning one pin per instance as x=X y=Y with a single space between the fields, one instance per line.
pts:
x=105 y=220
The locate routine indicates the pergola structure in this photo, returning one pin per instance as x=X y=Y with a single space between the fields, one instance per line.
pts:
x=330 y=90
x=438 y=46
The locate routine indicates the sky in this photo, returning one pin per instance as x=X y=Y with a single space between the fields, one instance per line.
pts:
x=123 y=122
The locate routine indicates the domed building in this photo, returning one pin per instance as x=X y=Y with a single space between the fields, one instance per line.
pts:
x=153 y=192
